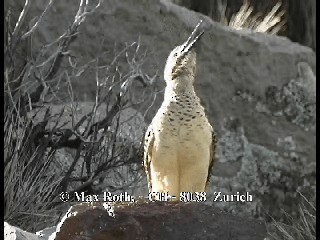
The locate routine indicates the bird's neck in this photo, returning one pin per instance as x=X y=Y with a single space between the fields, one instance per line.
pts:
x=178 y=87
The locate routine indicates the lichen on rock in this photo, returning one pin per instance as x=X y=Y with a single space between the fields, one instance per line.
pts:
x=272 y=178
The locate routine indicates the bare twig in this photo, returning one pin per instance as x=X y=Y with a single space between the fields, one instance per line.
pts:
x=17 y=30
x=36 y=25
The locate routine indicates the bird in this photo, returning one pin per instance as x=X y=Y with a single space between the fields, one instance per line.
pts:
x=179 y=144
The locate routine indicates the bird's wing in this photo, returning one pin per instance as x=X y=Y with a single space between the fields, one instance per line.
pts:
x=212 y=156
x=147 y=156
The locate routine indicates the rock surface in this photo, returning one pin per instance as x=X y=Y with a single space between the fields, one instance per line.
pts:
x=155 y=221
x=15 y=233
x=46 y=233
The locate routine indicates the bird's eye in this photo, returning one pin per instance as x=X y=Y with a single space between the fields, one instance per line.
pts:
x=175 y=54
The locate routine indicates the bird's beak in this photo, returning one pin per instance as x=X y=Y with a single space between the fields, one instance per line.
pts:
x=193 y=38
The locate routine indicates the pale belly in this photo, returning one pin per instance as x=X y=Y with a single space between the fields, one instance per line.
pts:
x=183 y=139
x=182 y=156
x=181 y=152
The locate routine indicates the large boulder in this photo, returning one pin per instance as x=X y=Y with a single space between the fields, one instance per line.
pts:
x=145 y=220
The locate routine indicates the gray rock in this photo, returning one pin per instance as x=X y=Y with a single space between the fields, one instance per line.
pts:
x=15 y=233
x=45 y=233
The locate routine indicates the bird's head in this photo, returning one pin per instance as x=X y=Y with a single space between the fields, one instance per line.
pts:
x=182 y=59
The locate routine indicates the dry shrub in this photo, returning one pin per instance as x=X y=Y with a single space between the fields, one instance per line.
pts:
x=36 y=131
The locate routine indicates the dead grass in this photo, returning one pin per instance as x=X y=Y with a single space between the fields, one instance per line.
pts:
x=245 y=18
x=301 y=227
x=29 y=186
